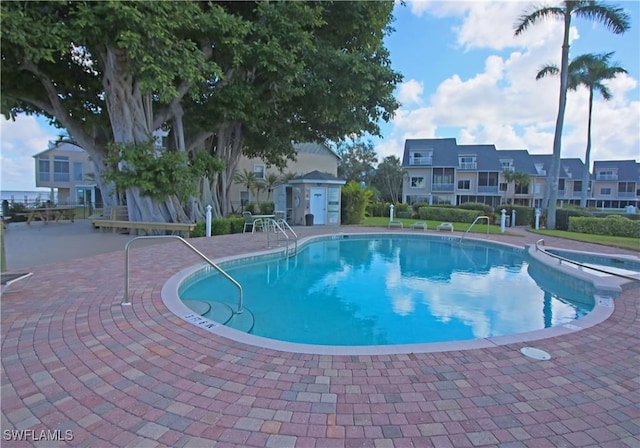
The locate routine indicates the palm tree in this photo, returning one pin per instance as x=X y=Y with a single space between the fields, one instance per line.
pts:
x=613 y=18
x=589 y=70
x=519 y=179
x=246 y=178
x=271 y=181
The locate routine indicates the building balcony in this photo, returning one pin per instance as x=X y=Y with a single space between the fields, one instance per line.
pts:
x=487 y=188
x=607 y=177
x=468 y=166
x=420 y=161
x=442 y=187
x=626 y=194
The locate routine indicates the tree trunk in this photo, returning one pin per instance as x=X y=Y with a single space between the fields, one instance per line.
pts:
x=587 y=156
x=554 y=172
x=129 y=111
x=230 y=142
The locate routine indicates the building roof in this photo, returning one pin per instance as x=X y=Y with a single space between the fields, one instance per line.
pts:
x=314 y=148
x=521 y=159
x=317 y=177
x=62 y=145
x=628 y=170
x=444 y=151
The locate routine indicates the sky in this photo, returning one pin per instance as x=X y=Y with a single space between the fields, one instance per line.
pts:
x=466 y=76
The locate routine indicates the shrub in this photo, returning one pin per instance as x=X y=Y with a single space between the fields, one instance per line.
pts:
x=199 y=230
x=418 y=205
x=251 y=208
x=378 y=209
x=563 y=215
x=267 y=208
x=524 y=215
x=405 y=215
x=220 y=226
x=354 y=203
x=236 y=224
x=448 y=214
x=612 y=225
x=486 y=209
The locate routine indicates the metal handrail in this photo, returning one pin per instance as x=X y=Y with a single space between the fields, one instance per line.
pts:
x=126 y=301
x=568 y=260
x=472 y=224
x=279 y=230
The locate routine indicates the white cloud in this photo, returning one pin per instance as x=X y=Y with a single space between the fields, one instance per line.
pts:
x=503 y=104
x=410 y=92
x=20 y=140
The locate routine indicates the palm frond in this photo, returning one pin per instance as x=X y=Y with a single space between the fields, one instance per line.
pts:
x=614 y=19
x=526 y=20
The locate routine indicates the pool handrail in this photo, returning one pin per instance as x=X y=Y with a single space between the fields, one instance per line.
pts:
x=125 y=299
x=473 y=223
x=568 y=260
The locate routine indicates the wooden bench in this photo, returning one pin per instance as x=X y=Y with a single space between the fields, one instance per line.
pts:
x=110 y=213
x=183 y=228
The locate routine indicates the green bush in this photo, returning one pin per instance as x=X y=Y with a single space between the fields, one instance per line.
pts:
x=612 y=225
x=236 y=224
x=448 y=214
x=418 y=205
x=486 y=209
x=267 y=208
x=251 y=208
x=220 y=226
x=199 y=230
x=404 y=215
x=563 y=215
x=524 y=215
x=378 y=209
x=354 y=203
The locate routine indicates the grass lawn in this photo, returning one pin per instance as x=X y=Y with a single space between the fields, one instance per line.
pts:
x=605 y=240
x=479 y=227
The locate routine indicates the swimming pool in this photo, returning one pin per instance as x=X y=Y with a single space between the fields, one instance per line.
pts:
x=381 y=290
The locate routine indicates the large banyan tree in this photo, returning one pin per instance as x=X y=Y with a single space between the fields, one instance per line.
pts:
x=223 y=78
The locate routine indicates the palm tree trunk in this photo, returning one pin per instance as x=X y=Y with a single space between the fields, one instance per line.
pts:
x=554 y=172
x=587 y=155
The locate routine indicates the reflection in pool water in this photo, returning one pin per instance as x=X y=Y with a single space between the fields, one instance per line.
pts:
x=363 y=291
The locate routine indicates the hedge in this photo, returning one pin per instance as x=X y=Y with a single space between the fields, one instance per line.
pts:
x=447 y=214
x=612 y=225
x=219 y=226
x=564 y=214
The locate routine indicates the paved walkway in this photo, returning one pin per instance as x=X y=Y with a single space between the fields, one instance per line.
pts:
x=74 y=360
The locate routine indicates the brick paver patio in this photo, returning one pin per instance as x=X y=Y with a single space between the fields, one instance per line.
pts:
x=74 y=359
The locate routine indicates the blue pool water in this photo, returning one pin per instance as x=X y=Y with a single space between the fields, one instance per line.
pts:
x=392 y=290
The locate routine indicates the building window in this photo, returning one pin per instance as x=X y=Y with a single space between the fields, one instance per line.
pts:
x=464 y=185
x=467 y=162
x=244 y=198
x=417 y=182
x=560 y=184
x=507 y=165
x=626 y=187
x=522 y=189
x=605 y=191
x=503 y=186
x=488 y=179
x=78 y=175
x=577 y=186
x=421 y=158
x=61 y=169
x=44 y=170
x=608 y=174
x=258 y=170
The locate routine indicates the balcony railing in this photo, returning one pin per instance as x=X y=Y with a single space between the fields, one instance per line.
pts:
x=606 y=177
x=415 y=160
x=468 y=166
x=442 y=187
x=626 y=194
x=487 y=188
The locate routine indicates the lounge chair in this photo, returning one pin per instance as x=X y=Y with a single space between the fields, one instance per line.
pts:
x=396 y=224
x=9 y=279
x=419 y=225
x=445 y=226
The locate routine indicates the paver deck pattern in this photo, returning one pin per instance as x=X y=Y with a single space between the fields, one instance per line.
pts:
x=74 y=359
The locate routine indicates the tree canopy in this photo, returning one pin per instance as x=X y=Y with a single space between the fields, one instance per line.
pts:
x=224 y=78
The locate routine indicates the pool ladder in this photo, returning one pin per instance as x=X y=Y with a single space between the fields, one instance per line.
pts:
x=472 y=224
x=125 y=299
x=281 y=229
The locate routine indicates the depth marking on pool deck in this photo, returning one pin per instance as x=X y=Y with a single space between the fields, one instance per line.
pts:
x=200 y=321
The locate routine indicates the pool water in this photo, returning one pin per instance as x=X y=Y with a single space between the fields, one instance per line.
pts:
x=392 y=290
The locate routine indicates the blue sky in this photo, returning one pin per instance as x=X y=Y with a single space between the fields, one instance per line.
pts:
x=465 y=76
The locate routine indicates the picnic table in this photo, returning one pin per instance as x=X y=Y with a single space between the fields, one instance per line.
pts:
x=47 y=214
